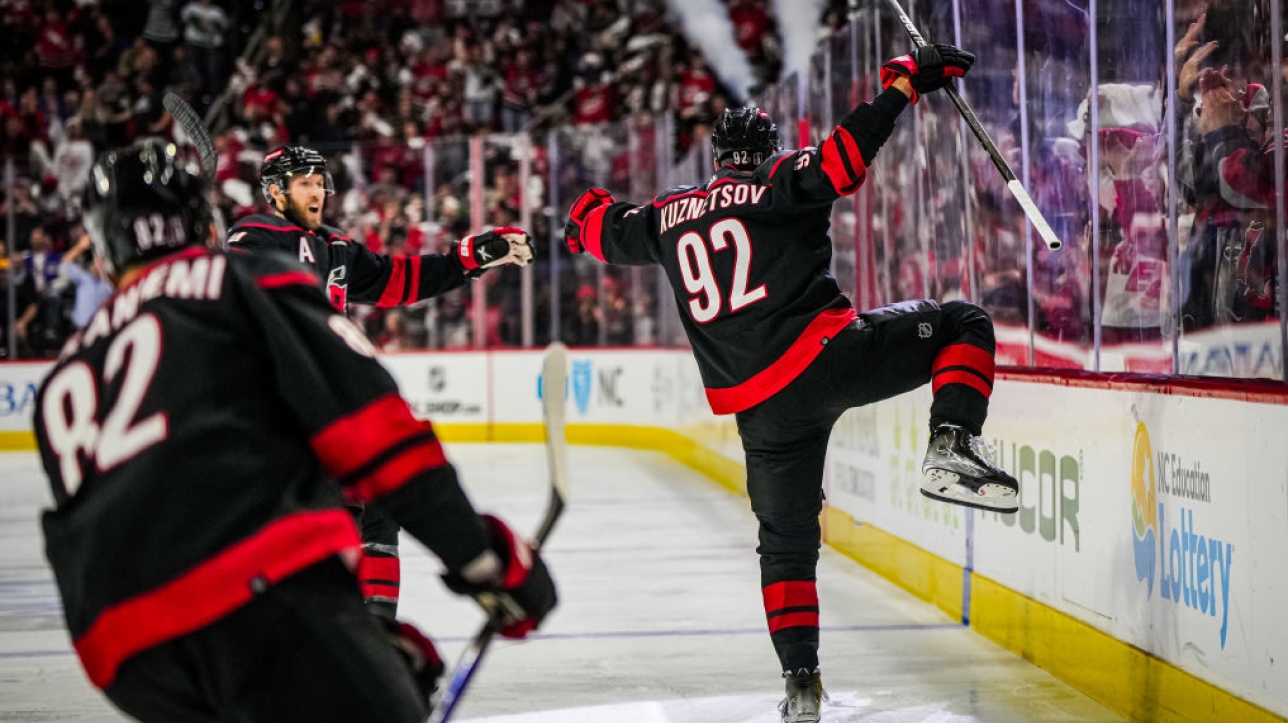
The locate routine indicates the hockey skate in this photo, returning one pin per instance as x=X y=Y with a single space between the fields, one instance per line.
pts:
x=804 y=696
x=959 y=469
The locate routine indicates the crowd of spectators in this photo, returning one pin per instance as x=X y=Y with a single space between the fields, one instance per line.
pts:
x=383 y=86
x=368 y=83
x=1099 y=162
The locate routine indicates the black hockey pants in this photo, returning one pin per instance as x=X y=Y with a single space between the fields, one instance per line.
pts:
x=888 y=351
x=304 y=650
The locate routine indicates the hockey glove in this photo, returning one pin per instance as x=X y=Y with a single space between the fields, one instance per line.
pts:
x=928 y=69
x=419 y=653
x=502 y=245
x=581 y=208
x=510 y=581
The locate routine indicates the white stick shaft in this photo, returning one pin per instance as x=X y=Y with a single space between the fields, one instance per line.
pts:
x=1012 y=183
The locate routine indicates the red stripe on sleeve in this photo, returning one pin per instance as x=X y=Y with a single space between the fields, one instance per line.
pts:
x=393 y=292
x=270 y=227
x=778 y=163
x=592 y=233
x=851 y=148
x=793 y=620
x=355 y=439
x=290 y=278
x=397 y=471
x=212 y=589
x=834 y=167
x=959 y=376
x=413 y=286
x=839 y=144
x=790 y=594
x=787 y=367
x=965 y=355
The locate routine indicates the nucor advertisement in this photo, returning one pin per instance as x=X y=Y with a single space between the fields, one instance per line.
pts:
x=1138 y=516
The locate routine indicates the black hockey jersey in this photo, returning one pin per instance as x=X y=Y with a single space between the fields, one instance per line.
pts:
x=747 y=256
x=352 y=272
x=192 y=456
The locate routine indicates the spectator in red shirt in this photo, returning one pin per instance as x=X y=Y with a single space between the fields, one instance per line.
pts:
x=522 y=81
x=695 y=83
x=54 y=51
x=593 y=99
x=750 y=22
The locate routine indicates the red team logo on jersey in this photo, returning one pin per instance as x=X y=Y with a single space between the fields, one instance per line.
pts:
x=337 y=288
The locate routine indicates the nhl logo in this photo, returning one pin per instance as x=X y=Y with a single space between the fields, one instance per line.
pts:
x=924 y=330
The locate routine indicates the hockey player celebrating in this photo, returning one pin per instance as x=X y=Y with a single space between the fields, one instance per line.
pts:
x=194 y=434
x=296 y=183
x=779 y=346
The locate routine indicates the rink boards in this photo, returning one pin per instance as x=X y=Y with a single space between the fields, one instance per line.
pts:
x=1145 y=566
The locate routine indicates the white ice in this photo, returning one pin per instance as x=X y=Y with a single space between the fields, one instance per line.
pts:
x=660 y=621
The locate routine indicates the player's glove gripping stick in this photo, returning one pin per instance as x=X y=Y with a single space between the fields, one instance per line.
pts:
x=509 y=581
x=928 y=68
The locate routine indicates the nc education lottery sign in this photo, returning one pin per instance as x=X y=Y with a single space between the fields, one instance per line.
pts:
x=1159 y=519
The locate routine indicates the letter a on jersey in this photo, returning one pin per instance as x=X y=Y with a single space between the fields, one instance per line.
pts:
x=306 y=251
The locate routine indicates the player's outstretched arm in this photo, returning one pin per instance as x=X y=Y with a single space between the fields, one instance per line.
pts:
x=401 y=280
x=839 y=166
x=613 y=232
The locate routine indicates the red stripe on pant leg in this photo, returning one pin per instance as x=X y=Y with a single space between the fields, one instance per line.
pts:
x=379 y=568
x=370 y=590
x=965 y=355
x=790 y=594
x=793 y=620
x=961 y=377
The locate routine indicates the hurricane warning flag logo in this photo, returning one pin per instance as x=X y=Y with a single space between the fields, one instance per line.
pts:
x=581 y=380
x=1144 y=506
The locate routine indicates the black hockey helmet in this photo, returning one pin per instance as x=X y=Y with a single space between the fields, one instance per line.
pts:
x=145 y=202
x=744 y=137
x=286 y=161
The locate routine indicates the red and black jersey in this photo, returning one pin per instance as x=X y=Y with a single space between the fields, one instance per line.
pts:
x=747 y=255
x=351 y=271
x=194 y=433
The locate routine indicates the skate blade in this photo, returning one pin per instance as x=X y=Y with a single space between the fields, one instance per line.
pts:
x=943 y=485
x=800 y=717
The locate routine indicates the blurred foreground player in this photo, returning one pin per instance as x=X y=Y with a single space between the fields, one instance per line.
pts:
x=194 y=434
x=778 y=344
x=296 y=183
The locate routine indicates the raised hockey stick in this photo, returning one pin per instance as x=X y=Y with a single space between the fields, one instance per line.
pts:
x=195 y=129
x=1012 y=183
x=553 y=378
